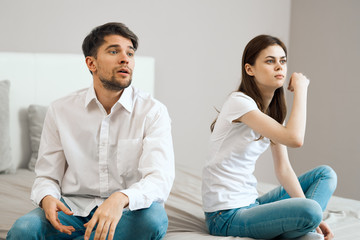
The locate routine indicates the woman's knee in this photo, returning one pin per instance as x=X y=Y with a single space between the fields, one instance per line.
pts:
x=311 y=213
x=329 y=173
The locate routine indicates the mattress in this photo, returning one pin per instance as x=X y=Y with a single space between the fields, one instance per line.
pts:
x=186 y=218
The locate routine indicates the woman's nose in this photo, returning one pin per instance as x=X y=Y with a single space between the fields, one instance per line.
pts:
x=278 y=66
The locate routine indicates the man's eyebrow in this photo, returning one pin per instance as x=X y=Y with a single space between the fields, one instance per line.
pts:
x=118 y=46
x=112 y=46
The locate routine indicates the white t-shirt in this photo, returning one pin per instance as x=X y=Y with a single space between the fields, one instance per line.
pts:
x=228 y=180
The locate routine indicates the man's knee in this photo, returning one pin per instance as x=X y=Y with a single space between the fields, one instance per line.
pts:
x=155 y=220
x=25 y=226
x=148 y=223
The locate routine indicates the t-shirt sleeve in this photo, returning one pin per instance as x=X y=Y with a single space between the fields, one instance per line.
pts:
x=237 y=105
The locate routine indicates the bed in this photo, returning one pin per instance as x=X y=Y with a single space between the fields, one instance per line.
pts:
x=36 y=85
x=186 y=219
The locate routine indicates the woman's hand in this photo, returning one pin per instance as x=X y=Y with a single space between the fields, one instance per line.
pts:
x=298 y=81
x=325 y=230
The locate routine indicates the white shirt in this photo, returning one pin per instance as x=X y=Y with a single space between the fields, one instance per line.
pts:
x=86 y=155
x=228 y=180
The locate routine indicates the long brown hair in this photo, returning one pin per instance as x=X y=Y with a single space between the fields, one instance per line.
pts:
x=277 y=107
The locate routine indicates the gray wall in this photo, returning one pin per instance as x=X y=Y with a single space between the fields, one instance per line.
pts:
x=325 y=45
x=198 y=45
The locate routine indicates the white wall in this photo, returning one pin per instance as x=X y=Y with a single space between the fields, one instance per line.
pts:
x=325 y=45
x=197 y=47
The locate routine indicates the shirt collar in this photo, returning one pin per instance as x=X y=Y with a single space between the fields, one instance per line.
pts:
x=90 y=95
x=126 y=99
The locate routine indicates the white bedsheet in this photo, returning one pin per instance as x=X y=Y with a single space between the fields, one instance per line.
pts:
x=186 y=218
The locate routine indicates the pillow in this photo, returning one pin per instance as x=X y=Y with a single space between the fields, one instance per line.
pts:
x=36 y=117
x=5 y=149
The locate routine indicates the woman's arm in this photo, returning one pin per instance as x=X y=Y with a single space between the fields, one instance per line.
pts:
x=288 y=179
x=284 y=171
x=292 y=134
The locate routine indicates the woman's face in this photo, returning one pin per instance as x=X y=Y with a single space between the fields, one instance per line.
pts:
x=270 y=68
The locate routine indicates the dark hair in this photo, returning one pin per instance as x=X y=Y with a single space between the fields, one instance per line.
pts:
x=277 y=107
x=95 y=38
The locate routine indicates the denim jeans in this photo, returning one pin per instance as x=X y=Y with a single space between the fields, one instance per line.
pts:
x=148 y=223
x=275 y=214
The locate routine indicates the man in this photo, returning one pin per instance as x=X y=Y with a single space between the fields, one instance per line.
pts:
x=106 y=162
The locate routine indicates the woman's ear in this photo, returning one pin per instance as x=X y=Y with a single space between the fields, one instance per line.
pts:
x=90 y=63
x=249 y=69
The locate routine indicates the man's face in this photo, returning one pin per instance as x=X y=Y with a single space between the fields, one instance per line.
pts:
x=114 y=63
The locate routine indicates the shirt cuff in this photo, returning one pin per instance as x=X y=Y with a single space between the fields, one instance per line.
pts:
x=136 y=199
x=36 y=198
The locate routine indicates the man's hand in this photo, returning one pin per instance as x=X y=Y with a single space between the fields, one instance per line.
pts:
x=51 y=207
x=107 y=217
x=325 y=230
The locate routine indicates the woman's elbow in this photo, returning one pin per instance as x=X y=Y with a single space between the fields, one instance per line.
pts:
x=294 y=140
x=297 y=142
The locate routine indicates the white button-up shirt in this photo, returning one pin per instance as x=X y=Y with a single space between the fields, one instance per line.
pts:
x=86 y=154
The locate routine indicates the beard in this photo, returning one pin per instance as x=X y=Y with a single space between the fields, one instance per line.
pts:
x=114 y=85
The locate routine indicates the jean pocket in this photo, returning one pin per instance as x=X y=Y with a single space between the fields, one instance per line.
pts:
x=216 y=222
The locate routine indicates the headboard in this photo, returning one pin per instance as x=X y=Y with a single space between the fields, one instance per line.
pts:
x=40 y=78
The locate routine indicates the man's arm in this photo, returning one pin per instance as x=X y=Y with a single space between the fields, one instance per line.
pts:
x=156 y=163
x=50 y=165
x=49 y=171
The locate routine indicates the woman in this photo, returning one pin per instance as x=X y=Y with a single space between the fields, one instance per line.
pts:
x=251 y=120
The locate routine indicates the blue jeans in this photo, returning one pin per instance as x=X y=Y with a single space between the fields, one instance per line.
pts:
x=275 y=214
x=148 y=223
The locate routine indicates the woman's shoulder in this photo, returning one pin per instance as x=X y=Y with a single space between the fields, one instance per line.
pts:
x=237 y=104
x=240 y=97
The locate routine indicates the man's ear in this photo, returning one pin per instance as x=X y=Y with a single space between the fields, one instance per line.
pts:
x=90 y=63
x=249 y=69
